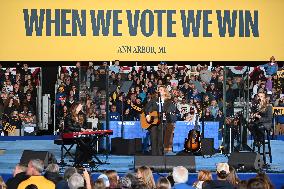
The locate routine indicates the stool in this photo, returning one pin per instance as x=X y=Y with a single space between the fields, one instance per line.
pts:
x=265 y=141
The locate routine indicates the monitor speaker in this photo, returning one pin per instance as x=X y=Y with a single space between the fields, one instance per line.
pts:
x=185 y=161
x=165 y=163
x=246 y=161
x=45 y=156
x=120 y=146
x=207 y=146
x=156 y=163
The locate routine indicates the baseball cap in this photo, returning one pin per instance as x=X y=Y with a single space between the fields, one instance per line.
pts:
x=223 y=167
x=105 y=179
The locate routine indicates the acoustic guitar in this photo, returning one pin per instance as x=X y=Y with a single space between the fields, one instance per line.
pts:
x=192 y=142
x=154 y=119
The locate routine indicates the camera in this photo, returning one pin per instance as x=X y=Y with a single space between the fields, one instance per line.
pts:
x=80 y=170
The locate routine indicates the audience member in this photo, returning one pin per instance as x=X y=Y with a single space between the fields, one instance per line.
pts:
x=233 y=177
x=266 y=179
x=2 y=184
x=76 y=181
x=113 y=178
x=105 y=180
x=141 y=186
x=223 y=171
x=163 y=183
x=133 y=180
x=145 y=174
x=257 y=183
x=99 y=184
x=63 y=184
x=34 y=170
x=180 y=176
x=203 y=175
x=52 y=173
x=125 y=183
x=242 y=184
x=19 y=175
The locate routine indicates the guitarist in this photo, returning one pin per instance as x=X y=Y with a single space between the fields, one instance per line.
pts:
x=157 y=133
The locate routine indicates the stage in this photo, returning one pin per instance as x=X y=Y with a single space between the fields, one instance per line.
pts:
x=14 y=146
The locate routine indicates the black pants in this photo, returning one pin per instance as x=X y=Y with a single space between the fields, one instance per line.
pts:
x=156 y=135
x=258 y=131
x=84 y=151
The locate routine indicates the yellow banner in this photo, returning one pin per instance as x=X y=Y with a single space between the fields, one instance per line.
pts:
x=278 y=110
x=194 y=30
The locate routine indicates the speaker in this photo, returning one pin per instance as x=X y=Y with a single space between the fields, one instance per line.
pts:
x=207 y=146
x=120 y=146
x=156 y=163
x=246 y=161
x=45 y=156
x=185 y=161
x=165 y=163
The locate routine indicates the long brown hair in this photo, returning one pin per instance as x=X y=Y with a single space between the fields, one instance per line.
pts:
x=233 y=177
x=147 y=176
x=75 y=115
x=203 y=175
x=263 y=103
x=163 y=182
x=113 y=178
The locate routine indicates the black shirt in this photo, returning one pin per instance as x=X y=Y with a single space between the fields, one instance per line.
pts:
x=217 y=184
x=13 y=183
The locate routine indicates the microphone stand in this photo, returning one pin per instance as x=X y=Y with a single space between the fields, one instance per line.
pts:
x=202 y=115
x=62 y=163
x=161 y=113
x=122 y=117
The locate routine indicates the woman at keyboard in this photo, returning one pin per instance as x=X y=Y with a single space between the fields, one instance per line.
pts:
x=76 y=121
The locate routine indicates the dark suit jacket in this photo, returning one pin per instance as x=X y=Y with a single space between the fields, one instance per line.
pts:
x=72 y=126
x=13 y=183
x=266 y=118
x=168 y=108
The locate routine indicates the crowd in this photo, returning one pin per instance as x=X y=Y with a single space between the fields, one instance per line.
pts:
x=191 y=87
x=35 y=176
x=130 y=88
x=18 y=99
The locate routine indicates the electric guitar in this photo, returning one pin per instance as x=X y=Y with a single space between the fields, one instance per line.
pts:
x=145 y=124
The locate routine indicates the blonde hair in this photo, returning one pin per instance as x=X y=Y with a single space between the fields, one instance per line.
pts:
x=2 y=183
x=167 y=93
x=232 y=176
x=204 y=175
x=147 y=176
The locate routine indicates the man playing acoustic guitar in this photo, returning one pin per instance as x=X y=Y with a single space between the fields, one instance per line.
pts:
x=153 y=122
